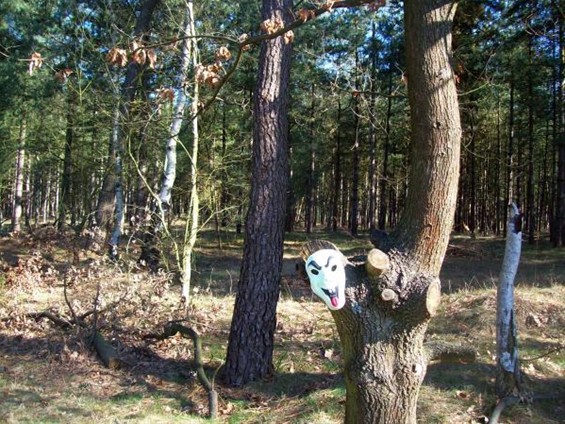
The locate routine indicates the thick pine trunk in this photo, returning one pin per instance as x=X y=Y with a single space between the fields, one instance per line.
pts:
x=250 y=347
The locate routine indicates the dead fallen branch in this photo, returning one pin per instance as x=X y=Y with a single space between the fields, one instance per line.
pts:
x=55 y=318
x=106 y=352
x=173 y=328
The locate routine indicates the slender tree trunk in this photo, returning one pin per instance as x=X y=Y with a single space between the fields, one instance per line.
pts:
x=117 y=148
x=337 y=171
x=558 y=225
x=191 y=230
x=530 y=211
x=309 y=216
x=510 y=154
x=372 y=206
x=508 y=379
x=112 y=187
x=499 y=174
x=150 y=253
x=383 y=183
x=251 y=340
x=290 y=215
x=17 y=206
x=354 y=217
x=66 y=183
x=383 y=323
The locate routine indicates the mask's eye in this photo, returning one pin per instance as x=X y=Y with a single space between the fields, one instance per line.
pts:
x=314 y=271
x=334 y=267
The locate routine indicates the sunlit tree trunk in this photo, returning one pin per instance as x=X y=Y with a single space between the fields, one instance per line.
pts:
x=251 y=341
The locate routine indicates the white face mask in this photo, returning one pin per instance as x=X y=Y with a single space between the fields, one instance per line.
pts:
x=327 y=277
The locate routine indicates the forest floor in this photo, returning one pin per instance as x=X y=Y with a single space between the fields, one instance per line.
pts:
x=50 y=374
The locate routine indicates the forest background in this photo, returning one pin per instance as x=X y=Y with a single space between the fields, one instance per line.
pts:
x=349 y=114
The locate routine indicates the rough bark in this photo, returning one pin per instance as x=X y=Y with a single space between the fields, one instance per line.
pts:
x=250 y=347
x=383 y=323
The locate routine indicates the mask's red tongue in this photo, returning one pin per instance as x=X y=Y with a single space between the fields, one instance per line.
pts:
x=334 y=301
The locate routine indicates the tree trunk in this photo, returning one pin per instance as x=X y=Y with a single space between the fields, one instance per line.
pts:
x=150 y=253
x=558 y=225
x=383 y=183
x=66 y=181
x=372 y=135
x=354 y=217
x=250 y=347
x=117 y=148
x=17 y=206
x=383 y=322
x=310 y=193
x=337 y=171
x=191 y=229
x=508 y=379
x=510 y=154
x=530 y=203
x=112 y=187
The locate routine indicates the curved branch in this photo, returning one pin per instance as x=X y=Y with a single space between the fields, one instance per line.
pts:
x=173 y=328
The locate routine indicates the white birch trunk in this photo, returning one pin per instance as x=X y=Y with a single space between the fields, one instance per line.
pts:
x=508 y=368
x=191 y=229
x=19 y=180
x=169 y=173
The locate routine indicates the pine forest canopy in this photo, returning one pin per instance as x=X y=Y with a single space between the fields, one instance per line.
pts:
x=63 y=66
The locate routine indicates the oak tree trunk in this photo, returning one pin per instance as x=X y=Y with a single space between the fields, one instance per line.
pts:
x=250 y=347
x=383 y=323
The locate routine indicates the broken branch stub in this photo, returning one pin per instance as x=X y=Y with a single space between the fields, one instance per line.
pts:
x=377 y=263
